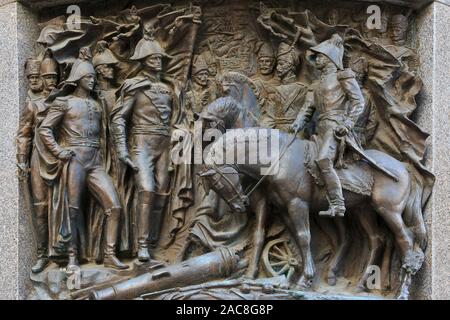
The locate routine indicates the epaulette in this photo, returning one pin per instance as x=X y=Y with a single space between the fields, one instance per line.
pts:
x=345 y=74
x=132 y=84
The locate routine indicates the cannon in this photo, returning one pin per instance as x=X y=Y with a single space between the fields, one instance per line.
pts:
x=214 y=265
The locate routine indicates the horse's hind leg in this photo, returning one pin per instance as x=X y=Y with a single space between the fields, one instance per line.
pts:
x=342 y=245
x=299 y=217
x=404 y=242
x=260 y=209
x=368 y=220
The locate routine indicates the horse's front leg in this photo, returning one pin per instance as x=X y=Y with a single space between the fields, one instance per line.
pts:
x=299 y=217
x=259 y=207
x=342 y=245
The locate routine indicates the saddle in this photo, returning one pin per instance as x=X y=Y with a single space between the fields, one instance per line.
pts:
x=353 y=171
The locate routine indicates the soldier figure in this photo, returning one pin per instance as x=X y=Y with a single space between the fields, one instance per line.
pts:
x=289 y=94
x=27 y=155
x=339 y=103
x=202 y=92
x=32 y=73
x=366 y=125
x=71 y=131
x=399 y=29
x=147 y=102
x=104 y=63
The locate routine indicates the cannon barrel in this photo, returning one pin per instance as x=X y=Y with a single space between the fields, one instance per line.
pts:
x=220 y=263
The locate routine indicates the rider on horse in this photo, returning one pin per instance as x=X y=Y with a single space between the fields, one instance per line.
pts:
x=339 y=102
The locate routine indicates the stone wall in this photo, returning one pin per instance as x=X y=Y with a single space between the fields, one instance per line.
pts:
x=18 y=26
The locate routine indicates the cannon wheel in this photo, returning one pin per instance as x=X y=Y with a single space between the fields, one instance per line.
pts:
x=278 y=258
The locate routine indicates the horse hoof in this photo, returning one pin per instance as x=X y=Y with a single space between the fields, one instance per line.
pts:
x=402 y=296
x=360 y=288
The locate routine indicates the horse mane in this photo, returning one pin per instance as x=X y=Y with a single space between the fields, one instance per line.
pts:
x=248 y=91
x=235 y=138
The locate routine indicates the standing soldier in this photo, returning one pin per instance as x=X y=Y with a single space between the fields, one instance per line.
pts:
x=289 y=94
x=27 y=155
x=202 y=92
x=71 y=132
x=104 y=63
x=339 y=103
x=146 y=101
x=32 y=73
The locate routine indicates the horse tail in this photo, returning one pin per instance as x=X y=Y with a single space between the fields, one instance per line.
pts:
x=413 y=214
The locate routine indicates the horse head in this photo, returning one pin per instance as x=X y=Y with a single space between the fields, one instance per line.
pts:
x=225 y=181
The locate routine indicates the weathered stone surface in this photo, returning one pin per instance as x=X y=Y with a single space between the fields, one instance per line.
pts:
x=17 y=26
x=433 y=115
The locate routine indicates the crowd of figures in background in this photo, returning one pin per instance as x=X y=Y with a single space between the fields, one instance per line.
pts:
x=97 y=129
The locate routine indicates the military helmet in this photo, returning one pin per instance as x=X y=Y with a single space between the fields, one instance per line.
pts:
x=199 y=64
x=265 y=50
x=32 y=67
x=82 y=66
x=148 y=46
x=103 y=55
x=289 y=53
x=48 y=66
x=333 y=48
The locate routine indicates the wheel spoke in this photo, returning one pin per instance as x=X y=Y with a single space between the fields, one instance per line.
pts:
x=279 y=251
x=277 y=264
x=284 y=269
x=276 y=256
x=286 y=247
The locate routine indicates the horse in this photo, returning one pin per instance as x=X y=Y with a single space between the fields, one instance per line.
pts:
x=293 y=188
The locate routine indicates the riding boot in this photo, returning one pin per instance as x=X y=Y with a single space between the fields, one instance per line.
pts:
x=156 y=214
x=73 y=245
x=112 y=229
x=334 y=189
x=41 y=230
x=144 y=207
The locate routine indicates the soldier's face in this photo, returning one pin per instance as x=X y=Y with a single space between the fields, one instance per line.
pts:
x=50 y=81
x=154 y=62
x=284 y=67
x=398 y=33
x=266 y=65
x=212 y=69
x=87 y=82
x=321 y=61
x=201 y=78
x=106 y=71
x=35 y=83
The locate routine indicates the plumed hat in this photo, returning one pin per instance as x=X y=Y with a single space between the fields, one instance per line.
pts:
x=103 y=55
x=333 y=48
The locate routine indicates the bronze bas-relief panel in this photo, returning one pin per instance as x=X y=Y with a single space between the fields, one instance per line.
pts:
x=114 y=104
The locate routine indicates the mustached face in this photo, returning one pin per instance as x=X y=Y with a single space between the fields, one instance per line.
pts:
x=50 y=81
x=106 y=71
x=284 y=67
x=35 y=82
x=266 y=65
x=154 y=62
x=201 y=78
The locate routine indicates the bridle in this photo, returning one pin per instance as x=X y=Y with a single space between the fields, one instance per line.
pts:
x=237 y=193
